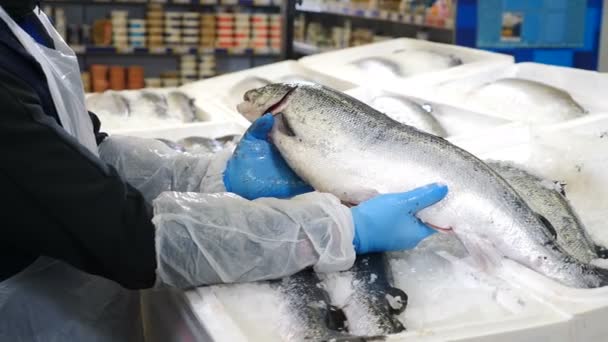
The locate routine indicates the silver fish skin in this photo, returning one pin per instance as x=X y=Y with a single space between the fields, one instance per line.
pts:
x=110 y=102
x=318 y=320
x=525 y=100
x=414 y=62
x=375 y=303
x=182 y=107
x=150 y=103
x=567 y=227
x=342 y=146
x=408 y=112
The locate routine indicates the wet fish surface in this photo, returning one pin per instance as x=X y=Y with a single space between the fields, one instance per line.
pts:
x=525 y=100
x=375 y=303
x=341 y=146
x=318 y=319
x=408 y=112
x=109 y=102
x=544 y=197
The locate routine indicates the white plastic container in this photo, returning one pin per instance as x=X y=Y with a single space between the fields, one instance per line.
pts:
x=339 y=63
x=587 y=88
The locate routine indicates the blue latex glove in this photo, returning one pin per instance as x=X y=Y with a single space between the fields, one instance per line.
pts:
x=257 y=169
x=388 y=222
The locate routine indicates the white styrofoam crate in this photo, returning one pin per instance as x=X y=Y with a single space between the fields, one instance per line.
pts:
x=207 y=110
x=338 y=63
x=221 y=90
x=210 y=130
x=455 y=121
x=585 y=87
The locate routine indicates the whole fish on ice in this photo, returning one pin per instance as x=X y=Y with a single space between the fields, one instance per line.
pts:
x=419 y=61
x=379 y=67
x=525 y=100
x=181 y=107
x=547 y=201
x=109 y=102
x=150 y=104
x=408 y=112
x=342 y=146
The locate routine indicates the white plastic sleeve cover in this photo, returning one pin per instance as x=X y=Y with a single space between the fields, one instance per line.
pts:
x=152 y=167
x=206 y=239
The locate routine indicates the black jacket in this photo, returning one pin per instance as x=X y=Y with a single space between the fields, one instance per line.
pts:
x=58 y=199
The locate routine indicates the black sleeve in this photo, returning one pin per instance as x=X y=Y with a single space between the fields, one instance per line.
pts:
x=99 y=136
x=63 y=201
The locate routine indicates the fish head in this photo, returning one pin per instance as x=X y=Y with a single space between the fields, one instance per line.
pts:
x=267 y=99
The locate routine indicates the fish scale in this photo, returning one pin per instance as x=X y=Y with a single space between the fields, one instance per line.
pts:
x=347 y=148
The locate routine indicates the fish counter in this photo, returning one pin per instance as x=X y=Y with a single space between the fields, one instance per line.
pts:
x=449 y=296
x=522 y=245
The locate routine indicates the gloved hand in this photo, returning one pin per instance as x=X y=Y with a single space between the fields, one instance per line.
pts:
x=257 y=169
x=388 y=222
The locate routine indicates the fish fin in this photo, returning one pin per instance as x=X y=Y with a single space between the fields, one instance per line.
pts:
x=547 y=225
x=397 y=300
x=602 y=274
x=560 y=187
x=601 y=251
x=483 y=253
x=336 y=319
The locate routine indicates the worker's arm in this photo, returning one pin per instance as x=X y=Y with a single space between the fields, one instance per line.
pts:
x=152 y=167
x=69 y=205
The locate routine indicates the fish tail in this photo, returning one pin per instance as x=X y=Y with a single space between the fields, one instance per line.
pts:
x=602 y=275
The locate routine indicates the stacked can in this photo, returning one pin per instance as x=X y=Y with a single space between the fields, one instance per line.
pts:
x=99 y=78
x=274 y=33
x=86 y=81
x=208 y=30
x=242 y=30
x=135 y=77
x=119 y=28
x=170 y=79
x=173 y=28
x=209 y=2
x=154 y=20
x=229 y=2
x=117 y=77
x=153 y=82
x=260 y=33
x=137 y=32
x=191 y=29
x=206 y=67
x=225 y=30
x=188 y=68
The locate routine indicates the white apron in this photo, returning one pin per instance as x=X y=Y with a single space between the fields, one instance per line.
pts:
x=50 y=300
x=60 y=66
